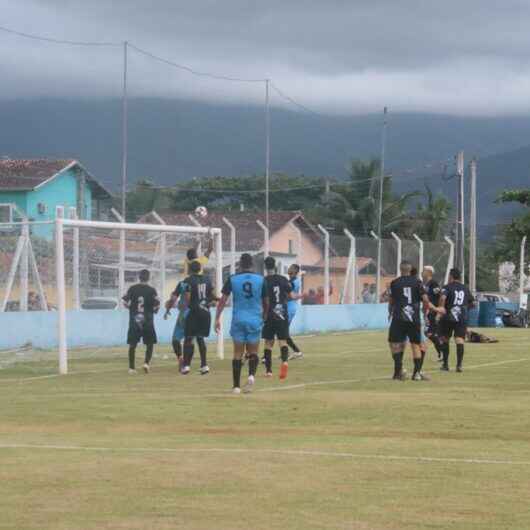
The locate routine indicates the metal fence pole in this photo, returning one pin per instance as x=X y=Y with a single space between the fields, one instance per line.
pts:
x=420 y=244
x=163 y=254
x=451 y=260
x=121 y=266
x=351 y=271
x=75 y=262
x=265 y=237
x=326 y=264
x=523 y=300
x=399 y=252
x=232 y=245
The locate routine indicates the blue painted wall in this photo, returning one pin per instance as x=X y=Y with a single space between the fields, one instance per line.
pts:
x=60 y=191
x=109 y=328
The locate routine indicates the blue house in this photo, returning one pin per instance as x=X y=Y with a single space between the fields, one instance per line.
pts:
x=36 y=187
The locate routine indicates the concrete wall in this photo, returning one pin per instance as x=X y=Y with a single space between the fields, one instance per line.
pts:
x=109 y=328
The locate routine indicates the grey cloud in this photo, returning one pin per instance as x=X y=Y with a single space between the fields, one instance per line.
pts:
x=447 y=56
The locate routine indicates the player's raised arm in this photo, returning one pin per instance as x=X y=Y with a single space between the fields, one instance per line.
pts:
x=226 y=291
x=209 y=249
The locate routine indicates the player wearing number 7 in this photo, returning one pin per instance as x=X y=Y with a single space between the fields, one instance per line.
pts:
x=249 y=305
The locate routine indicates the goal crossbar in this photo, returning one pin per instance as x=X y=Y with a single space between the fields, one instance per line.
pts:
x=61 y=223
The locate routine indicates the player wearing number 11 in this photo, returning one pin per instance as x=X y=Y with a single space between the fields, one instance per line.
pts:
x=250 y=304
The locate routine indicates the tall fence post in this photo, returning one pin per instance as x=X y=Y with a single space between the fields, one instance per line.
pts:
x=298 y=243
x=121 y=266
x=218 y=247
x=266 y=236
x=326 y=264
x=232 y=229
x=523 y=300
x=399 y=252
x=351 y=270
x=163 y=254
x=378 y=267
x=24 y=267
x=451 y=260
x=61 y=289
x=420 y=252
x=72 y=211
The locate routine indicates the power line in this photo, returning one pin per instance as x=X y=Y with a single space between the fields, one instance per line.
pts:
x=57 y=41
x=291 y=100
x=193 y=71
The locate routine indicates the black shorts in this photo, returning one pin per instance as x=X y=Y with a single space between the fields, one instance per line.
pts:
x=275 y=329
x=141 y=332
x=198 y=323
x=448 y=329
x=400 y=331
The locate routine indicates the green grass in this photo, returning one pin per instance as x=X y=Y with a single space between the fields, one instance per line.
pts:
x=100 y=449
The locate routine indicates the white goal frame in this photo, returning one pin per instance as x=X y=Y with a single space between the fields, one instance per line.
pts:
x=61 y=223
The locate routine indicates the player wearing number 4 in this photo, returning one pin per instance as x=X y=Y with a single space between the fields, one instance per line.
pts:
x=406 y=297
x=142 y=301
x=249 y=305
x=455 y=301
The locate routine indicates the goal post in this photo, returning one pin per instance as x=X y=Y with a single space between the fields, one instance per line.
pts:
x=62 y=223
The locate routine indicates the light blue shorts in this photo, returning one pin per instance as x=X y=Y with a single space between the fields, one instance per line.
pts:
x=246 y=332
x=178 y=330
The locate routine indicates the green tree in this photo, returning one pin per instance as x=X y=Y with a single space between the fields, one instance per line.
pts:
x=432 y=217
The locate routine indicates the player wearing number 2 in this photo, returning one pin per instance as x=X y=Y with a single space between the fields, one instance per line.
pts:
x=143 y=302
x=249 y=305
x=455 y=301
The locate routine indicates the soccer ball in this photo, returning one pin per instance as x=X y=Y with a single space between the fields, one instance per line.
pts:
x=201 y=211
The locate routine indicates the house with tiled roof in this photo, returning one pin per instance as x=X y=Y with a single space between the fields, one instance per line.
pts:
x=35 y=187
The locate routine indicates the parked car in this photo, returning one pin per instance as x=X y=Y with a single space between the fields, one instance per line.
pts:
x=492 y=297
x=99 y=302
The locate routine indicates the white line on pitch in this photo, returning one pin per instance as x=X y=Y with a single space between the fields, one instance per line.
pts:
x=279 y=452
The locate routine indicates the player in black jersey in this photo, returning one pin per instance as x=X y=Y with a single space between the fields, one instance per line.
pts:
x=143 y=302
x=276 y=325
x=198 y=295
x=404 y=307
x=455 y=300
x=433 y=290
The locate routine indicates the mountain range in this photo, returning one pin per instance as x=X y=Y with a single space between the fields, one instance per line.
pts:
x=175 y=140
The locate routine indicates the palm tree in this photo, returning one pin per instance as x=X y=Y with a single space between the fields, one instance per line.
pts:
x=433 y=216
x=356 y=204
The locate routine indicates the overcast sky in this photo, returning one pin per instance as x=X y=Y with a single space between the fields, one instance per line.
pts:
x=341 y=56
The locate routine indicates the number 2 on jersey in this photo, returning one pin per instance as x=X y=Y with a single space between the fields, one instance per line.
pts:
x=276 y=290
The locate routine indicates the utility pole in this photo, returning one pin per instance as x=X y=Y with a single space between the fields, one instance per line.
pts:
x=460 y=229
x=124 y=138
x=267 y=151
x=380 y=215
x=473 y=227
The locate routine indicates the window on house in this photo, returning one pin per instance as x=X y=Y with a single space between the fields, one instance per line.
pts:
x=291 y=246
x=6 y=213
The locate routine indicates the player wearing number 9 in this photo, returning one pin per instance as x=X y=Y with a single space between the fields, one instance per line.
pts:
x=250 y=303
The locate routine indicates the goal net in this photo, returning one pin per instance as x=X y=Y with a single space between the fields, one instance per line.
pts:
x=80 y=270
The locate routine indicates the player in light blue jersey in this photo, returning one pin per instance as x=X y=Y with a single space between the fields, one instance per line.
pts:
x=249 y=305
x=177 y=300
x=292 y=306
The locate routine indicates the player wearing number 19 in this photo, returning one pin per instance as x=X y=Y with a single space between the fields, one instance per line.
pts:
x=142 y=301
x=249 y=305
x=455 y=300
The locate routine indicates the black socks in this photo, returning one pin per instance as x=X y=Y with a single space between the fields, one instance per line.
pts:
x=253 y=362
x=268 y=359
x=188 y=352
x=459 y=355
x=236 y=372
x=132 y=355
x=398 y=363
x=284 y=352
x=177 y=348
x=422 y=359
x=148 y=353
x=292 y=345
x=202 y=351
x=417 y=366
x=445 y=353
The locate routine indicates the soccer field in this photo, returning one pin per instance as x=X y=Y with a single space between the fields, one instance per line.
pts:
x=337 y=446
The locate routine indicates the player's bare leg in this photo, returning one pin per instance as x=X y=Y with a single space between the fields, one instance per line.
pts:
x=188 y=355
x=148 y=356
x=177 y=349
x=397 y=349
x=132 y=358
